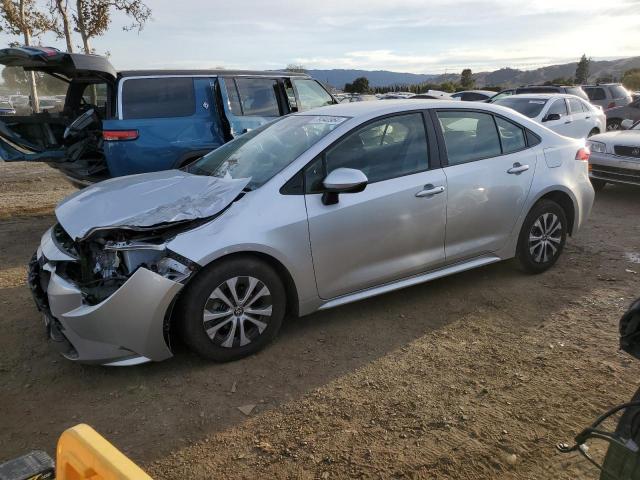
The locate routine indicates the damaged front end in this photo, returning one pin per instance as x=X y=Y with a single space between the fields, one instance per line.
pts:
x=107 y=299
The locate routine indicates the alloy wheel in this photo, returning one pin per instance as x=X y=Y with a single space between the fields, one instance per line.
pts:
x=545 y=238
x=237 y=312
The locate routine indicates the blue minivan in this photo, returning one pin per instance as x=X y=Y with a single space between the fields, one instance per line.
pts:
x=121 y=123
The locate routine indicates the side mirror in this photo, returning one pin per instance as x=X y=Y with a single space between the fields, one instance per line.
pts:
x=342 y=180
x=626 y=124
x=551 y=117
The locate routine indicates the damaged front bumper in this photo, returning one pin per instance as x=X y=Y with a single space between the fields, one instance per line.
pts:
x=128 y=327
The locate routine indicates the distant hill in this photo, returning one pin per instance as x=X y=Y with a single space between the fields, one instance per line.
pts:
x=377 y=78
x=504 y=77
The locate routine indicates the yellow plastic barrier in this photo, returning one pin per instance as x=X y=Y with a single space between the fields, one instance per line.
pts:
x=83 y=453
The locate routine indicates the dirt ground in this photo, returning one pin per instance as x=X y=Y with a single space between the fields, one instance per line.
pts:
x=474 y=376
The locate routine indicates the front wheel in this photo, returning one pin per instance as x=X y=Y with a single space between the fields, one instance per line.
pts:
x=542 y=237
x=232 y=309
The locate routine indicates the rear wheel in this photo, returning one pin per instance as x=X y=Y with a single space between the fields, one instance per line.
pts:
x=232 y=309
x=597 y=184
x=542 y=237
x=594 y=131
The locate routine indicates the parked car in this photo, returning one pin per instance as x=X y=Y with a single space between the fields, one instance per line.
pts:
x=6 y=108
x=615 y=156
x=433 y=94
x=566 y=89
x=608 y=95
x=616 y=115
x=121 y=123
x=21 y=104
x=567 y=115
x=474 y=95
x=359 y=98
x=312 y=211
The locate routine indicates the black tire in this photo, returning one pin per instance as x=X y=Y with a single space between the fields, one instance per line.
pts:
x=191 y=309
x=535 y=262
x=598 y=184
x=594 y=131
x=613 y=124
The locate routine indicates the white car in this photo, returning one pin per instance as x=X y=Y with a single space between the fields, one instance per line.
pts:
x=565 y=114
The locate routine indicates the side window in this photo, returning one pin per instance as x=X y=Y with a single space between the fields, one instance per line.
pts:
x=311 y=94
x=575 y=105
x=389 y=148
x=559 y=106
x=158 y=97
x=469 y=136
x=511 y=136
x=585 y=106
x=255 y=97
x=314 y=175
x=596 y=93
x=291 y=95
x=96 y=94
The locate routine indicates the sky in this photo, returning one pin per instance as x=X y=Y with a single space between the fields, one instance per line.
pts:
x=433 y=36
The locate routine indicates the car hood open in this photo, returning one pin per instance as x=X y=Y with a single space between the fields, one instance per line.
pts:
x=146 y=200
x=52 y=60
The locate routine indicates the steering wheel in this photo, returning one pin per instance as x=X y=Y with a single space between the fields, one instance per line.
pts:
x=80 y=123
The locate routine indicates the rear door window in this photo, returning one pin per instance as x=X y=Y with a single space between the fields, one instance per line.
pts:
x=256 y=97
x=559 y=106
x=575 y=105
x=311 y=94
x=618 y=91
x=469 y=136
x=511 y=135
x=595 y=93
x=158 y=97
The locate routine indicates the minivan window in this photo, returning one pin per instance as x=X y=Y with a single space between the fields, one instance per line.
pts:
x=311 y=94
x=385 y=149
x=257 y=97
x=262 y=153
x=163 y=97
x=469 y=136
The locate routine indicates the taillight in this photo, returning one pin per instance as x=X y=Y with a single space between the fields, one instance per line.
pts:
x=118 y=135
x=583 y=154
x=611 y=104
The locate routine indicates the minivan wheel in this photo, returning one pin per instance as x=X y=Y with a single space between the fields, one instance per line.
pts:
x=594 y=131
x=232 y=309
x=542 y=238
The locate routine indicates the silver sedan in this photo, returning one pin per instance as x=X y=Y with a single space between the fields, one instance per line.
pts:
x=312 y=211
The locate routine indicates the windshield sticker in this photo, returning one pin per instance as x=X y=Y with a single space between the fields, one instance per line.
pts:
x=538 y=102
x=327 y=119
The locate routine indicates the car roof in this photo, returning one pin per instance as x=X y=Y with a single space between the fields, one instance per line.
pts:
x=545 y=96
x=214 y=72
x=485 y=92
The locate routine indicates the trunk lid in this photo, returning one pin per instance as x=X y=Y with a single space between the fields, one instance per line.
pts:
x=52 y=60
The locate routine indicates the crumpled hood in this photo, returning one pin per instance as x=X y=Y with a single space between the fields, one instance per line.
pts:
x=145 y=200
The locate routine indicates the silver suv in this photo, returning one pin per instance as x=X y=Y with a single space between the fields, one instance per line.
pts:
x=309 y=212
x=608 y=95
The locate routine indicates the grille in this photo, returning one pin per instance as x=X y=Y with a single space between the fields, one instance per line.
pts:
x=627 y=151
x=616 y=174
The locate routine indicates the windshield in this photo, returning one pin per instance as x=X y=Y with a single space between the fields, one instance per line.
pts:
x=262 y=153
x=529 y=107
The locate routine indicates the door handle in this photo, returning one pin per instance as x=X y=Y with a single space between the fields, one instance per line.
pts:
x=587 y=118
x=429 y=190
x=567 y=122
x=517 y=169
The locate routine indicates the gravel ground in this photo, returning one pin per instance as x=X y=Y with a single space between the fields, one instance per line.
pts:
x=473 y=376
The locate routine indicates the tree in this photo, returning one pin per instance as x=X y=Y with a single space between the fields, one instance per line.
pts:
x=93 y=17
x=359 y=85
x=23 y=17
x=296 y=68
x=466 y=79
x=60 y=7
x=15 y=79
x=582 y=70
x=631 y=79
